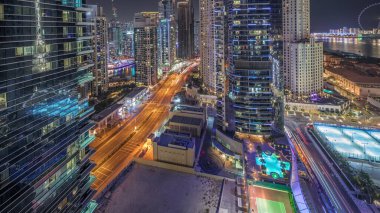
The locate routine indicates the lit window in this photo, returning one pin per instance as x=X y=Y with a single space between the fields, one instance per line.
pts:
x=79 y=17
x=62 y=204
x=67 y=46
x=65 y=16
x=28 y=50
x=79 y=31
x=3 y=100
x=1 y=12
x=48 y=48
x=19 y=51
x=65 y=31
x=66 y=63
x=79 y=59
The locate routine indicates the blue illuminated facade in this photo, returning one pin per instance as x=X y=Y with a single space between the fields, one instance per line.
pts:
x=253 y=34
x=45 y=78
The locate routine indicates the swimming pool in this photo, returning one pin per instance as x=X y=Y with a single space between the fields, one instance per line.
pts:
x=351 y=142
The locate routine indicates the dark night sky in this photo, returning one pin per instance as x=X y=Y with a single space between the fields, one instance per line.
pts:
x=325 y=14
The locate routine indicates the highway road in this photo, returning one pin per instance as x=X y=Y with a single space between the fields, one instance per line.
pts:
x=115 y=153
x=321 y=169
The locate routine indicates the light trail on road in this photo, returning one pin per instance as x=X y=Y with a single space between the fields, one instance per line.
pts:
x=321 y=169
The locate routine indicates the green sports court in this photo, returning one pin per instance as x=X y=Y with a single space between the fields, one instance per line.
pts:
x=270 y=198
x=264 y=205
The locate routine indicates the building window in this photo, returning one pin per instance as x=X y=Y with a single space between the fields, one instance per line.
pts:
x=66 y=63
x=19 y=51
x=67 y=46
x=65 y=16
x=65 y=31
x=62 y=204
x=1 y=12
x=3 y=100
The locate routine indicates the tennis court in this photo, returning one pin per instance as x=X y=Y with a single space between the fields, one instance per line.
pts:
x=269 y=199
x=264 y=205
x=352 y=142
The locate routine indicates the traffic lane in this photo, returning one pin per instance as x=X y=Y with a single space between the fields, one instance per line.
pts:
x=115 y=141
x=147 y=112
x=328 y=185
x=115 y=160
x=104 y=171
x=100 y=141
x=319 y=176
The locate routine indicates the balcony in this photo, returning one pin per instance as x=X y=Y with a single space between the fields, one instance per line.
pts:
x=88 y=77
x=86 y=113
x=90 y=208
x=87 y=141
x=90 y=181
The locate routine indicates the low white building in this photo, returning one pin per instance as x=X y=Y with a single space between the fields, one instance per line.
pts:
x=333 y=105
x=134 y=97
x=176 y=148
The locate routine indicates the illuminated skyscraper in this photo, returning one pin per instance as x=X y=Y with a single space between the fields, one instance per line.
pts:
x=166 y=25
x=196 y=37
x=185 y=28
x=220 y=27
x=146 y=48
x=100 y=46
x=207 y=44
x=252 y=38
x=45 y=80
x=303 y=57
x=128 y=40
x=115 y=35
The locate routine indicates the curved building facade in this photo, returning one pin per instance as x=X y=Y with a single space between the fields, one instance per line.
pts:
x=45 y=81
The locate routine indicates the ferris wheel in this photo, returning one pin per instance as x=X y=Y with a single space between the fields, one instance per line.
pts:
x=363 y=11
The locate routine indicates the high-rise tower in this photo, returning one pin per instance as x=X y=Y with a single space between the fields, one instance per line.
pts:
x=45 y=81
x=100 y=46
x=252 y=33
x=146 y=49
x=165 y=30
x=115 y=35
x=303 y=57
x=185 y=28
x=207 y=44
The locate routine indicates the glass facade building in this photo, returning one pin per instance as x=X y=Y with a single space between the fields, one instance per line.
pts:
x=45 y=80
x=166 y=21
x=146 y=47
x=252 y=27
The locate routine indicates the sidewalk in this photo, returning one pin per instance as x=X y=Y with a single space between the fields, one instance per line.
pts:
x=112 y=132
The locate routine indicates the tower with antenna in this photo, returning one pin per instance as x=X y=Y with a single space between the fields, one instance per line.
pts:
x=114 y=10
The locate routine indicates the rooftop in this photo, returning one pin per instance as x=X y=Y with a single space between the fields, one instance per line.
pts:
x=179 y=134
x=109 y=110
x=187 y=108
x=355 y=75
x=169 y=140
x=186 y=120
x=322 y=100
x=135 y=92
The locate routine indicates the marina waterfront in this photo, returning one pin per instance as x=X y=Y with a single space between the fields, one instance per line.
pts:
x=367 y=47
